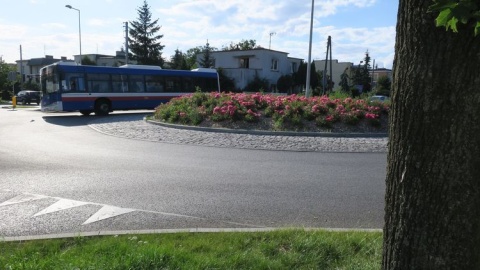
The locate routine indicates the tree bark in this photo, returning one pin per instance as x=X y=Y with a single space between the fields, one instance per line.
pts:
x=432 y=212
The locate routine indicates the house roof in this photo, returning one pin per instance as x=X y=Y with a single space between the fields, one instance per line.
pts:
x=249 y=51
x=42 y=61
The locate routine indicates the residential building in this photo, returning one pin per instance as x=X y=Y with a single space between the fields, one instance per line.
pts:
x=106 y=60
x=338 y=68
x=244 y=65
x=380 y=72
x=30 y=68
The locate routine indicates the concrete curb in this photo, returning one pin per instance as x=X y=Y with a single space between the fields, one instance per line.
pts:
x=271 y=133
x=167 y=231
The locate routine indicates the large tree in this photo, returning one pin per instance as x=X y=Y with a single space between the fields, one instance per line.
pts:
x=178 y=61
x=242 y=45
x=143 y=39
x=432 y=218
x=207 y=61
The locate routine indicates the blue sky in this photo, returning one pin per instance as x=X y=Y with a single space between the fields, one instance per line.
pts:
x=47 y=27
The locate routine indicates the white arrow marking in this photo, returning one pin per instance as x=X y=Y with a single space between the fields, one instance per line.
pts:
x=23 y=198
x=107 y=211
x=62 y=204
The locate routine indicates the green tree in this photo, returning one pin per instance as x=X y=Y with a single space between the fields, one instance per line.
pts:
x=285 y=84
x=345 y=86
x=227 y=84
x=432 y=201
x=242 y=45
x=178 y=61
x=384 y=84
x=87 y=62
x=207 y=60
x=5 y=84
x=361 y=74
x=300 y=77
x=258 y=85
x=143 y=40
x=191 y=56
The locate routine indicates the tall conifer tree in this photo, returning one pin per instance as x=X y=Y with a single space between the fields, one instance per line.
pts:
x=144 y=42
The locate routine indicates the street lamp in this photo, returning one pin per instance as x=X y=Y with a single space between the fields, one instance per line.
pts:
x=307 y=90
x=79 y=31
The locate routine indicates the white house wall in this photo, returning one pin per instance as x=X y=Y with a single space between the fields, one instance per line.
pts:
x=260 y=64
x=337 y=69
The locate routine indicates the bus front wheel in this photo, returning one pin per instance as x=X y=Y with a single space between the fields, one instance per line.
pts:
x=102 y=107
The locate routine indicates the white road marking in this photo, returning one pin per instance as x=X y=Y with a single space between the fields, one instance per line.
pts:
x=62 y=204
x=107 y=211
x=23 y=198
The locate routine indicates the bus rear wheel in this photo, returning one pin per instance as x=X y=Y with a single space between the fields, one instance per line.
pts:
x=102 y=107
x=85 y=112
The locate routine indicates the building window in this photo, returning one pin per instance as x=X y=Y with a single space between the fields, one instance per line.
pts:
x=274 y=64
x=244 y=62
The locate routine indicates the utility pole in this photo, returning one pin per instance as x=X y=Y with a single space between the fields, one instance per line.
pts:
x=21 y=66
x=325 y=80
x=270 y=42
x=309 y=66
x=126 y=43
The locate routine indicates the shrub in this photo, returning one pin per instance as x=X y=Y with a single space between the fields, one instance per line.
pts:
x=287 y=112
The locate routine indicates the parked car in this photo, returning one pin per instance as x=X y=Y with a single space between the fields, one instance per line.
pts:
x=379 y=98
x=28 y=96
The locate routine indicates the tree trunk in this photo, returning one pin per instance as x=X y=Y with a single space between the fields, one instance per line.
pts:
x=432 y=212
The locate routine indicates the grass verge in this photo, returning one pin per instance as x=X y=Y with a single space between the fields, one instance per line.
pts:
x=283 y=249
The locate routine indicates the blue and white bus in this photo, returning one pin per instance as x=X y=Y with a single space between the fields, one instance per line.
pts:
x=68 y=87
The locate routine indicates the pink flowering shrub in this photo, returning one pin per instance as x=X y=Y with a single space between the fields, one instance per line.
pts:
x=286 y=112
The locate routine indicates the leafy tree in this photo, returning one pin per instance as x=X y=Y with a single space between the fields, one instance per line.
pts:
x=384 y=84
x=361 y=74
x=87 y=62
x=191 y=56
x=432 y=202
x=285 y=84
x=5 y=84
x=300 y=77
x=466 y=12
x=258 y=85
x=207 y=60
x=242 y=45
x=227 y=84
x=143 y=40
x=345 y=86
x=178 y=61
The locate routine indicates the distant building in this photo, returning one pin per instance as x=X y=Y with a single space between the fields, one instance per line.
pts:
x=30 y=68
x=338 y=68
x=106 y=60
x=380 y=72
x=243 y=65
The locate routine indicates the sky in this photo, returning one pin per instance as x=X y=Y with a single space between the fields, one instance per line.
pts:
x=47 y=27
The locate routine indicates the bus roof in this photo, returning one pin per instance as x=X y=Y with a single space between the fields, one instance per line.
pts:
x=141 y=67
x=209 y=73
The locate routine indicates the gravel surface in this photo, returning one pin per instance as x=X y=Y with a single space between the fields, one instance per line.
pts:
x=136 y=127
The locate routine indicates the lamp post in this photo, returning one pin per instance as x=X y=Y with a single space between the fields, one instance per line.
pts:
x=307 y=90
x=79 y=30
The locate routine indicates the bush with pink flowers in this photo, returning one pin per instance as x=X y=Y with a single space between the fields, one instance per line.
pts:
x=273 y=112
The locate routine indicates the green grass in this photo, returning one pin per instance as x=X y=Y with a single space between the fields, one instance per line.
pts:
x=284 y=249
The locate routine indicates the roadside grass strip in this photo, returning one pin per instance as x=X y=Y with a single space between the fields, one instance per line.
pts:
x=280 y=249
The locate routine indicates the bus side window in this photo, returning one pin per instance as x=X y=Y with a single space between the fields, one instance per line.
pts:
x=173 y=84
x=136 y=83
x=154 y=84
x=188 y=85
x=117 y=83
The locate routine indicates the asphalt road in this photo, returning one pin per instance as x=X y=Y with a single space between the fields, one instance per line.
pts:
x=58 y=175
